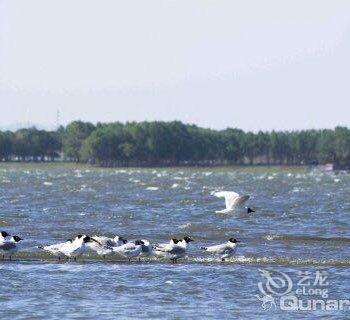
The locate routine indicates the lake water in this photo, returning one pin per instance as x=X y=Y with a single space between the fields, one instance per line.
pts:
x=300 y=233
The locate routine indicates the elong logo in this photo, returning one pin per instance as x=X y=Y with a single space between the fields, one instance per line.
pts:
x=310 y=292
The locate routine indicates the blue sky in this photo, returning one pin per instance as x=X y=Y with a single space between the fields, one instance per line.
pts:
x=247 y=64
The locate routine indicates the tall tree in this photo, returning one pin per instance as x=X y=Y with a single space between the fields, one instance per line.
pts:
x=73 y=137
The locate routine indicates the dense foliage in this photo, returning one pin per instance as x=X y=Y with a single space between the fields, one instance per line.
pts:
x=174 y=143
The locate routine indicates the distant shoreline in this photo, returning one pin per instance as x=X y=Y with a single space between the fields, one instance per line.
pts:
x=78 y=165
x=175 y=144
x=69 y=164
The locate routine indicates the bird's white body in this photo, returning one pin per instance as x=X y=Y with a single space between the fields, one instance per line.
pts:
x=58 y=249
x=3 y=238
x=105 y=245
x=232 y=200
x=147 y=249
x=9 y=246
x=100 y=250
x=128 y=250
x=162 y=245
x=110 y=242
x=76 y=248
x=224 y=250
x=158 y=249
x=173 y=250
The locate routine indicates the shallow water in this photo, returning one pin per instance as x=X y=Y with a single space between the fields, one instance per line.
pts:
x=301 y=224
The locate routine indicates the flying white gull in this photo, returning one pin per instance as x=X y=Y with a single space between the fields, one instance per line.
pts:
x=224 y=250
x=232 y=201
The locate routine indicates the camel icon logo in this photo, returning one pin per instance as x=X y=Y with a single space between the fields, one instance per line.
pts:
x=276 y=284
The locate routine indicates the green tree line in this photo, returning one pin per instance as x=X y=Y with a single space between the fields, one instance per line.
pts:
x=174 y=143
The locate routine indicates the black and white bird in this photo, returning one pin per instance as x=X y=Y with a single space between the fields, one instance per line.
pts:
x=9 y=246
x=224 y=250
x=175 y=250
x=130 y=249
x=104 y=245
x=78 y=246
x=157 y=248
x=111 y=242
x=147 y=249
x=3 y=235
x=233 y=201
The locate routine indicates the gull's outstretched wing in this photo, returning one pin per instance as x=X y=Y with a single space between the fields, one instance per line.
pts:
x=239 y=201
x=230 y=197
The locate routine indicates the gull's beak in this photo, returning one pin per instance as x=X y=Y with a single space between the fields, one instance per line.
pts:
x=97 y=242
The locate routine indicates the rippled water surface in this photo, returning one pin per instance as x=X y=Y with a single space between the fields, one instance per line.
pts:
x=301 y=224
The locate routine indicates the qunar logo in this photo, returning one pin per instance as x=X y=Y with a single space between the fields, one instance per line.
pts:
x=275 y=285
